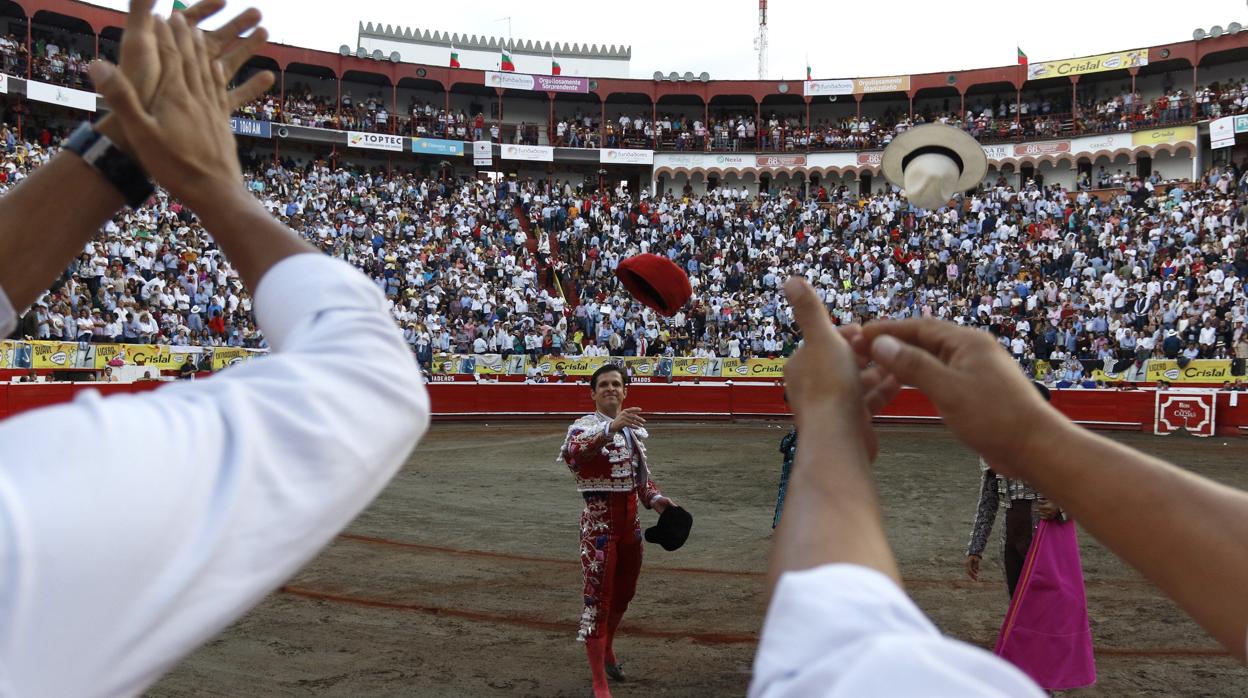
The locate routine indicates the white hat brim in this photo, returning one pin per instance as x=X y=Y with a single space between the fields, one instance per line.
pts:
x=959 y=142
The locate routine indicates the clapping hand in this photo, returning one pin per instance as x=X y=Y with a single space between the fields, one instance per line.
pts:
x=141 y=63
x=182 y=136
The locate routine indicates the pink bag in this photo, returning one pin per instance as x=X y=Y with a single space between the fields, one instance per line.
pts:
x=1046 y=632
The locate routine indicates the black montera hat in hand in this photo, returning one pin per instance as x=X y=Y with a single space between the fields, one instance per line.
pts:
x=673 y=528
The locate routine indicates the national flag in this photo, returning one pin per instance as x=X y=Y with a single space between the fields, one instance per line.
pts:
x=179 y=5
x=505 y=62
x=808 y=73
x=454 y=59
x=555 y=69
x=1022 y=57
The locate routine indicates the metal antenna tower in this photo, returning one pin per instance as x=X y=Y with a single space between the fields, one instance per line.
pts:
x=760 y=41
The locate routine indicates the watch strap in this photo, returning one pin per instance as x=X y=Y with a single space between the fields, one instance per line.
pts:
x=121 y=171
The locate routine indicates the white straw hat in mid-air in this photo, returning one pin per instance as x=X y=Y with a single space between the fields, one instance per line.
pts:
x=933 y=162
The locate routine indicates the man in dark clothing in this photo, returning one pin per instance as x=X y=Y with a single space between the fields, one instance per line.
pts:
x=788 y=447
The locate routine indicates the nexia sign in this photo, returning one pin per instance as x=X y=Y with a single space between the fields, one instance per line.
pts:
x=251 y=127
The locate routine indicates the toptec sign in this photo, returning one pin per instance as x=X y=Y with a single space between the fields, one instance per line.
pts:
x=375 y=141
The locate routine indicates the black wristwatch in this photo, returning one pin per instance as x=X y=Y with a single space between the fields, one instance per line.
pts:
x=119 y=169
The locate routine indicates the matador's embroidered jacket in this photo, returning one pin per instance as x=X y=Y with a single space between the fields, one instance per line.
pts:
x=619 y=466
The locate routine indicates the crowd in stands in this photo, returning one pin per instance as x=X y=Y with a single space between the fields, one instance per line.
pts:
x=303 y=107
x=468 y=265
x=989 y=120
x=57 y=59
x=13 y=55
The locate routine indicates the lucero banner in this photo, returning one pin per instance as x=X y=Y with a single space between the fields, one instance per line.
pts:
x=375 y=141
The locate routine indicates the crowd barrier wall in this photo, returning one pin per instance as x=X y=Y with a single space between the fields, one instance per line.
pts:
x=1132 y=410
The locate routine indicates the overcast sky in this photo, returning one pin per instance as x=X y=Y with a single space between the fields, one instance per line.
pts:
x=846 y=38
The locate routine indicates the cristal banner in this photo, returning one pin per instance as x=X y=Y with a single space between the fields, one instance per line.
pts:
x=1197 y=371
x=44 y=354
x=1088 y=64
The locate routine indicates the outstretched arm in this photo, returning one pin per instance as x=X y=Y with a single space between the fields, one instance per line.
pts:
x=202 y=497
x=832 y=511
x=985 y=513
x=1186 y=533
x=837 y=620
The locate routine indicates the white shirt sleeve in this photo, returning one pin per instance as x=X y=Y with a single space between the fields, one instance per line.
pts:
x=8 y=316
x=847 y=630
x=196 y=500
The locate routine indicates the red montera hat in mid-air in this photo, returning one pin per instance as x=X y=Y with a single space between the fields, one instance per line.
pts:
x=656 y=282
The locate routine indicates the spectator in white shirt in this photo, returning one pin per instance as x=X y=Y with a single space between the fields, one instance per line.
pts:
x=118 y=570
x=838 y=622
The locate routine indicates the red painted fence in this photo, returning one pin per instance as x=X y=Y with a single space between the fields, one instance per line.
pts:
x=1104 y=409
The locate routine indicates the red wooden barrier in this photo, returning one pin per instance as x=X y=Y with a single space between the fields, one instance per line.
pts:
x=1100 y=409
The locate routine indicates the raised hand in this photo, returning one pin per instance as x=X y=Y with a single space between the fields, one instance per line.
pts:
x=976 y=386
x=140 y=57
x=182 y=137
x=824 y=379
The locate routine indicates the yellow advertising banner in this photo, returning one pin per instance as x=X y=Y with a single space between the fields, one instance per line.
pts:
x=642 y=365
x=7 y=350
x=158 y=356
x=489 y=365
x=695 y=368
x=766 y=368
x=1196 y=371
x=445 y=364
x=570 y=365
x=752 y=368
x=54 y=355
x=1088 y=64
x=224 y=357
x=1164 y=136
x=1111 y=377
x=734 y=368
